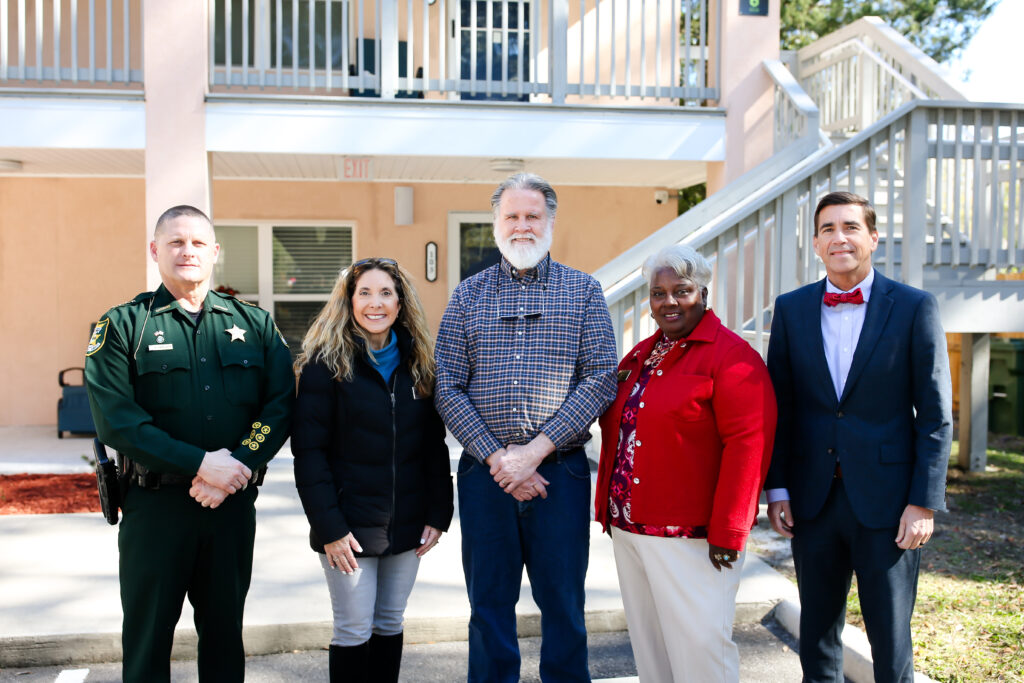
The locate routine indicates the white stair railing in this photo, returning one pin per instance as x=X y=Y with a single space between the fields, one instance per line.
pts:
x=861 y=72
x=948 y=178
x=797 y=139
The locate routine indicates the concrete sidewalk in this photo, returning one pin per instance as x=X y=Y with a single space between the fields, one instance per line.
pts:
x=59 y=601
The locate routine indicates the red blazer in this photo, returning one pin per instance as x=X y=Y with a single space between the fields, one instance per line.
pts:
x=704 y=436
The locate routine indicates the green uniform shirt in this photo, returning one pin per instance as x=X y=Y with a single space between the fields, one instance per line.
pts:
x=164 y=389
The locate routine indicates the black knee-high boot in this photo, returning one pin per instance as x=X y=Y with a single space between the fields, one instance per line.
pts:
x=350 y=664
x=385 y=658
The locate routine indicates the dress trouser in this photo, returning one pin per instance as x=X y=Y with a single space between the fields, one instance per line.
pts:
x=170 y=546
x=827 y=550
x=679 y=608
x=551 y=538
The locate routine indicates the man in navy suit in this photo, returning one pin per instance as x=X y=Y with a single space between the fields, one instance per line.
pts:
x=861 y=374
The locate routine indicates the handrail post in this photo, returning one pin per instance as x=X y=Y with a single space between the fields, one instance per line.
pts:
x=787 y=240
x=915 y=197
x=388 y=49
x=865 y=91
x=558 y=49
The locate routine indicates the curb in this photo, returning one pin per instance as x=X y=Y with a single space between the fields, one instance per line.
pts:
x=58 y=650
x=857 y=662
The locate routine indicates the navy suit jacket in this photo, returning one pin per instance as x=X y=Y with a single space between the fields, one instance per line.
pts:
x=892 y=428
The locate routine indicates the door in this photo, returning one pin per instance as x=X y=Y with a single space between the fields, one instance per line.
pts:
x=500 y=29
x=471 y=246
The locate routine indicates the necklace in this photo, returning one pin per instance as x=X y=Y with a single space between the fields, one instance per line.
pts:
x=661 y=350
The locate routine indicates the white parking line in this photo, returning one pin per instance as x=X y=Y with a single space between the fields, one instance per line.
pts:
x=72 y=676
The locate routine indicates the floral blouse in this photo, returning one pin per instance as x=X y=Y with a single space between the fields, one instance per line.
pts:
x=622 y=474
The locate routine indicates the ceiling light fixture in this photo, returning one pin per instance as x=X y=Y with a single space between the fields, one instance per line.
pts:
x=507 y=165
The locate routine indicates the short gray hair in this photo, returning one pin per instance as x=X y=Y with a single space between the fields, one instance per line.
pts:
x=527 y=181
x=684 y=261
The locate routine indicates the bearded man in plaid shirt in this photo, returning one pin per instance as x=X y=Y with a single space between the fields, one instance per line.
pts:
x=525 y=363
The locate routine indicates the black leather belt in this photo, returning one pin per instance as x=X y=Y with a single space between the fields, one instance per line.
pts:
x=155 y=480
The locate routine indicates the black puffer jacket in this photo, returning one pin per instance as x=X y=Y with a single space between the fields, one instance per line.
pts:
x=370 y=457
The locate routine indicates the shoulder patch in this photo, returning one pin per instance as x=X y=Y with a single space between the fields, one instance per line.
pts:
x=243 y=301
x=281 y=336
x=99 y=336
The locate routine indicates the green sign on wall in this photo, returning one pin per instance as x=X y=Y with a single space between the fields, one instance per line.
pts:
x=757 y=8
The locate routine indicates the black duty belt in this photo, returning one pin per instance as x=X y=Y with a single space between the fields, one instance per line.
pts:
x=154 y=480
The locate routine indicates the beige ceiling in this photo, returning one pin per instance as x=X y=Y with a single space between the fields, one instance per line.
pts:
x=264 y=166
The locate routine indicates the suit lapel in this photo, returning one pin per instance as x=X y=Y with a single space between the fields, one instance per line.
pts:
x=810 y=316
x=879 y=307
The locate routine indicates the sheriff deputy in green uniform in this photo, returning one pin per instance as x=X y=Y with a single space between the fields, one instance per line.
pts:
x=195 y=389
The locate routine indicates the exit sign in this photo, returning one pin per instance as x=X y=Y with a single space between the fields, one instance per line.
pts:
x=355 y=168
x=757 y=8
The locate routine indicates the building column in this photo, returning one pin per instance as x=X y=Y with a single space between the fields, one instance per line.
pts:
x=175 y=50
x=974 y=363
x=746 y=92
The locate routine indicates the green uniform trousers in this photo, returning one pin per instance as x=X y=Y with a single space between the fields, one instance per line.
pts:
x=170 y=546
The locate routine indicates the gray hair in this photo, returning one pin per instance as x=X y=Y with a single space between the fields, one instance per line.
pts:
x=684 y=261
x=527 y=181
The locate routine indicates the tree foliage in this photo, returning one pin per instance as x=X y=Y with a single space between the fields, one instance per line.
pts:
x=942 y=28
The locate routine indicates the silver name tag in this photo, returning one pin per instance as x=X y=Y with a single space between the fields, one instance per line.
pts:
x=160 y=347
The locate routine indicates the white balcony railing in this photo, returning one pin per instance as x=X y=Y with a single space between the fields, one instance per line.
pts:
x=70 y=44
x=551 y=50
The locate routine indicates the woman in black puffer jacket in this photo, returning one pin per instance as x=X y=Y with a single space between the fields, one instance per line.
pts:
x=371 y=464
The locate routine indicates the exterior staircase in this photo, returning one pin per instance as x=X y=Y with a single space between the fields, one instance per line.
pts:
x=865 y=111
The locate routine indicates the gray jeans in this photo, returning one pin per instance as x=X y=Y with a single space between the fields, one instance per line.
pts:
x=373 y=599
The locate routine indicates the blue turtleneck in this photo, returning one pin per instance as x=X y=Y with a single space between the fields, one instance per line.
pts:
x=387 y=358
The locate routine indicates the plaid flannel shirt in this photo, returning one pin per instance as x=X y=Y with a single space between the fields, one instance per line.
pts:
x=523 y=352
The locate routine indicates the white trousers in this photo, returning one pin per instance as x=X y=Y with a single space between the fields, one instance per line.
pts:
x=679 y=608
x=373 y=599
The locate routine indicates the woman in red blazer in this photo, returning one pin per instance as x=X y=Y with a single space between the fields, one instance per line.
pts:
x=685 y=450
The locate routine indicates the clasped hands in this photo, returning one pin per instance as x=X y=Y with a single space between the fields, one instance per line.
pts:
x=916 y=524
x=220 y=475
x=514 y=468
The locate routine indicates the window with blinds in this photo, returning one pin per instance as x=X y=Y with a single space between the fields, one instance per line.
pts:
x=306 y=264
x=287 y=269
x=307 y=260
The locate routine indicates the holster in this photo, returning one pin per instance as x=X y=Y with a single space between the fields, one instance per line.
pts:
x=108 y=481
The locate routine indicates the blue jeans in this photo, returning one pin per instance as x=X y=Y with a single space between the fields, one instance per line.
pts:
x=551 y=538
x=373 y=599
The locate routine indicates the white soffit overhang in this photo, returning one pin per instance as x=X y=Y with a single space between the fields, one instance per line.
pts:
x=436 y=129
x=73 y=123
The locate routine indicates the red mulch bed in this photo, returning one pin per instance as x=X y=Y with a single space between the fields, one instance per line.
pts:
x=38 y=494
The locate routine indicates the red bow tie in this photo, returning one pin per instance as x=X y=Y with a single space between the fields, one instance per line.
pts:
x=854 y=297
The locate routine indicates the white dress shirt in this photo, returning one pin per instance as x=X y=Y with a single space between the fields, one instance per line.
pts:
x=840 y=330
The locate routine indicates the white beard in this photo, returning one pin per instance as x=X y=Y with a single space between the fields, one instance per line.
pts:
x=524 y=255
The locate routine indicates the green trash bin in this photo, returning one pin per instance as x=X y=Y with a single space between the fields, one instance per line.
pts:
x=1006 y=386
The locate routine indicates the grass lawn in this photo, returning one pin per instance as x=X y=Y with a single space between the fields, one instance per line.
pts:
x=968 y=624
